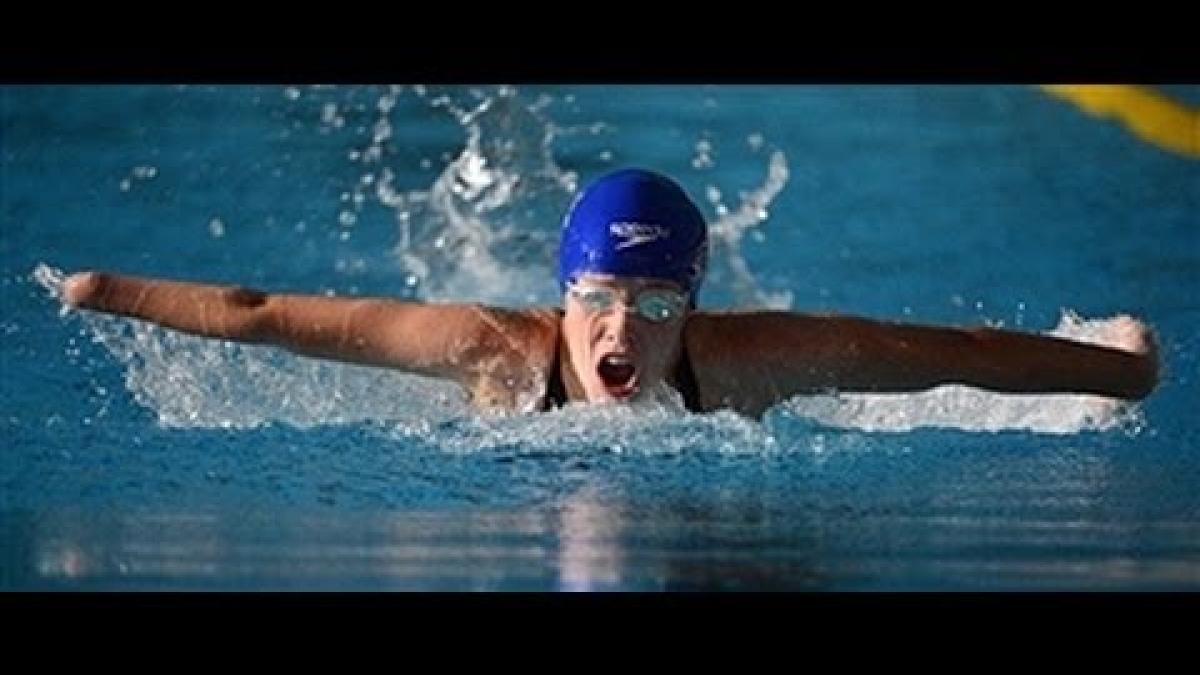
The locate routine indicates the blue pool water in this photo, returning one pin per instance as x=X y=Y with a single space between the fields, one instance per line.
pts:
x=135 y=458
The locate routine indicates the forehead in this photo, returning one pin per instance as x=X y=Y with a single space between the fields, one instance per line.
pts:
x=632 y=284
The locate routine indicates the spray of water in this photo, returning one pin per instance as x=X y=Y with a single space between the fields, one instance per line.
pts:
x=731 y=227
x=959 y=407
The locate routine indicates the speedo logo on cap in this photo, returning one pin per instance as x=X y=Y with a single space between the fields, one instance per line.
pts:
x=635 y=234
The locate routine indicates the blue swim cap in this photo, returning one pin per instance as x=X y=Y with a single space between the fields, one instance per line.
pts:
x=634 y=223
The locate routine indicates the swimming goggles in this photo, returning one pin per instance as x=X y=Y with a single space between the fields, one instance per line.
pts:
x=657 y=305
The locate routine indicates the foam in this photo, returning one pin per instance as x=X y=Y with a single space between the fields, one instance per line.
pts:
x=969 y=409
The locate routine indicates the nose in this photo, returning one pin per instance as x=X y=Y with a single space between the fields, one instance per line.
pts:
x=619 y=324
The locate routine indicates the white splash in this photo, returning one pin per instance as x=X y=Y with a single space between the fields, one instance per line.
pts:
x=196 y=383
x=647 y=428
x=969 y=409
x=487 y=228
x=731 y=227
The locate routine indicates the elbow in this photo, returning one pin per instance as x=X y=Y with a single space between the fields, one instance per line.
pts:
x=246 y=298
x=253 y=310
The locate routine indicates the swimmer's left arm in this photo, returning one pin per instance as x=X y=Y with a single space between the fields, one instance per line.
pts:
x=787 y=354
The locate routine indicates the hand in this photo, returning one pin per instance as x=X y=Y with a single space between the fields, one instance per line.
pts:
x=1128 y=334
x=79 y=287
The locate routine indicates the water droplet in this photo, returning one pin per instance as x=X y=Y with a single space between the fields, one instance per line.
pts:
x=328 y=113
x=703 y=158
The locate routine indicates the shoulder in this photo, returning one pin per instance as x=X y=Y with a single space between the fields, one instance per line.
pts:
x=533 y=330
x=718 y=330
x=754 y=328
x=511 y=356
x=749 y=360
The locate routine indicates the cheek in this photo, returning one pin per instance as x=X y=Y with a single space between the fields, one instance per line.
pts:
x=663 y=342
x=578 y=332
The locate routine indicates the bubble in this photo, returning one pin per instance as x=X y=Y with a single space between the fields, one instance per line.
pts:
x=703 y=158
x=216 y=228
x=330 y=116
x=713 y=194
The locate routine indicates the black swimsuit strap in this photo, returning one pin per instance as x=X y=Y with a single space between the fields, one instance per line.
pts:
x=685 y=381
x=556 y=391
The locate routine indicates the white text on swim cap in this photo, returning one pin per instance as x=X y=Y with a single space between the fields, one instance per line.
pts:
x=636 y=234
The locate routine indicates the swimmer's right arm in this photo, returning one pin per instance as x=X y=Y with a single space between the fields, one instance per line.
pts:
x=426 y=339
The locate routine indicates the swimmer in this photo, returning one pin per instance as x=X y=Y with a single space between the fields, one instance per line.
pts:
x=632 y=257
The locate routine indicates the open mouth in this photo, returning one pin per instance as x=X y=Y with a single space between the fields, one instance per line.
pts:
x=618 y=374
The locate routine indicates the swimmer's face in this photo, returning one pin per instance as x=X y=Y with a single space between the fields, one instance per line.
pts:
x=623 y=335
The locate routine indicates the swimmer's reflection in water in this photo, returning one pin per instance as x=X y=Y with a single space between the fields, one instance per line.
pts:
x=632 y=257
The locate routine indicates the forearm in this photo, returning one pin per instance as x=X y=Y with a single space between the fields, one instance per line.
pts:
x=892 y=356
x=225 y=312
x=774 y=355
x=426 y=339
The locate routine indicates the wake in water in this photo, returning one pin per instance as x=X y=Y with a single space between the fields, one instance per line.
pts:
x=487 y=229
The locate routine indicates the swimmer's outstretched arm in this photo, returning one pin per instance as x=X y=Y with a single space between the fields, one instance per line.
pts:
x=436 y=340
x=793 y=354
